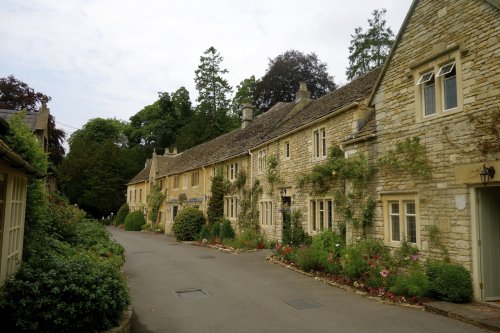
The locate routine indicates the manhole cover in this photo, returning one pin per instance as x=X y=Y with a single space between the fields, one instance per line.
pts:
x=301 y=304
x=191 y=293
x=206 y=257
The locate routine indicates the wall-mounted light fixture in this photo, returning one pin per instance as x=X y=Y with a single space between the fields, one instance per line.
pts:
x=486 y=174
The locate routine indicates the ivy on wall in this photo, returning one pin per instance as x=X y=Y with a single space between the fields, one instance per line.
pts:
x=346 y=179
x=155 y=200
x=248 y=215
x=487 y=131
x=272 y=173
x=409 y=156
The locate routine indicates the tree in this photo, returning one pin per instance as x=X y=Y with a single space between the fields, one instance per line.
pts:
x=369 y=49
x=282 y=78
x=213 y=95
x=17 y=95
x=158 y=125
x=98 y=166
x=244 y=94
x=215 y=210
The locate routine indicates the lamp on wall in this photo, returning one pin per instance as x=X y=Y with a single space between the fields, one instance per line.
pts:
x=486 y=174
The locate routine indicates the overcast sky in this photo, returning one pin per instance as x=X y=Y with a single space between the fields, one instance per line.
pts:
x=110 y=58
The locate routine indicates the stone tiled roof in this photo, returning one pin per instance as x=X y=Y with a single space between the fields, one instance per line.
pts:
x=30 y=119
x=16 y=161
x=142 y=176
x=281 y=119
x=353 y=92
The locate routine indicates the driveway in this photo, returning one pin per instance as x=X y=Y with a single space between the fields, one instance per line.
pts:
x=180 y=288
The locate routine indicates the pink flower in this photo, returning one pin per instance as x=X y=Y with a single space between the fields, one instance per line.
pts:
x=414 y=257
x=384 y=272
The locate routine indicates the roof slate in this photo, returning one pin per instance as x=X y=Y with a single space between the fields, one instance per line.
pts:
x=30 y=119
x=142 y=176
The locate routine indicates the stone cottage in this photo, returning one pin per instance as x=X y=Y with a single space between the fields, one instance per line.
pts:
x=428 y=123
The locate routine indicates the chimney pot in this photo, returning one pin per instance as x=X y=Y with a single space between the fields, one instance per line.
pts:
x=247 y=115
x=302 y=93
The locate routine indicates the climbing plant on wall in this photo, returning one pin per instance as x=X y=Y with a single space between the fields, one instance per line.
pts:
x=248 y=216
x=409 y=156
x=155 y=200
x=272 y=173
x=346 y=179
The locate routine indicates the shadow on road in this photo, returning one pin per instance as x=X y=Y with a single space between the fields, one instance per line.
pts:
x=137 y=326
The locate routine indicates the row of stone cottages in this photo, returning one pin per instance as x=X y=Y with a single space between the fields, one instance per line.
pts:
x=440 y=84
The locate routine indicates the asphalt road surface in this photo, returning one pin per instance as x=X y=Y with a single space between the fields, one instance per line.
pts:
x=179 y=288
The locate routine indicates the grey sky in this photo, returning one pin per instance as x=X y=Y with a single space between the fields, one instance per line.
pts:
x=110 y=58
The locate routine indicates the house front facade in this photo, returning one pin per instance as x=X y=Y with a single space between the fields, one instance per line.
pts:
x=428 y=124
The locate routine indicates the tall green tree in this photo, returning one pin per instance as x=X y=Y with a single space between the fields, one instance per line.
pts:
x=98 y=166
x=369 y=49
x=284 y=73
x=244 y=94
x=213 y=95
x=18 y=95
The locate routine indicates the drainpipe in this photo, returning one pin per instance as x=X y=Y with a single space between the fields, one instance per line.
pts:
x=251 y=167
x=204 y=186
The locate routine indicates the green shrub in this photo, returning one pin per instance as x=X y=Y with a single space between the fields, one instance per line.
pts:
x=121 y=214
x=70 y=291
x=306 y=259
x=188 y=224
x=365 y=259
x=226 y=230
x=414 y=283
x=247 y=239
x=293 y=234
x=215 y=232
x=205 y=232
x=134 y=221
x=449 y=282
x=327 y=247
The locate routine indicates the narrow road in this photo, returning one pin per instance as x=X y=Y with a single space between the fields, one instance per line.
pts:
x=183 y=288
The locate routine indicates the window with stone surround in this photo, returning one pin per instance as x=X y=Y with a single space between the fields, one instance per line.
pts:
x=195 y=178
x=401 y=220
x=266 y=212
x=286 y=150
x=321 y=214
x=319 y=144
x=262 y=160
x=438 y=87
x=232 y=171
x=231 y=207
x=176 y=181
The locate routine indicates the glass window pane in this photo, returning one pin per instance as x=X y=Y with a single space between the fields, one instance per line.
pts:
x=313 y=214
x=411 y=222
x=429 y=99
x=394 y=218
x=321 y=215
x=329 y=206
x=450 y=92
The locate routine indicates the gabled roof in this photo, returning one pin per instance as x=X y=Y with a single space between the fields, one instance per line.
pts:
x=368 y=131
x=494 y=3
x=142 y=176
x=30 y=119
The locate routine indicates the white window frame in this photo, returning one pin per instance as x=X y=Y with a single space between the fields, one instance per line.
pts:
x=266 y=212
x=262 y=160
x=232 y=171
x=319 y=144
x=231 y=207
x=321 y=215
x=445 y=73
x=403 y=217
x=195 y=178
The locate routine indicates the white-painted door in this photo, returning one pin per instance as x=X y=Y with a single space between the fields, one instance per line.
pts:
x=489 y=220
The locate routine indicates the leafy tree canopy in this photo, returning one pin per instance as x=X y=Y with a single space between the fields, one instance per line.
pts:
x=282 y=78
x=369 y=49
x=244 y=94
x=17 y=95
x=98 y=166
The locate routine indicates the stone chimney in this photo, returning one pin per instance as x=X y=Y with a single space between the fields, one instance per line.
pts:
x=302 y=93
x=247 y=115
x=168 y=153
